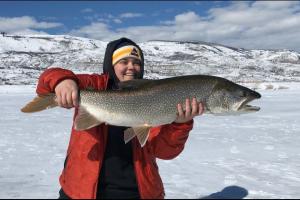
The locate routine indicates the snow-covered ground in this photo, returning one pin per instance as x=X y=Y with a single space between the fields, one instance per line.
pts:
x=249 y=156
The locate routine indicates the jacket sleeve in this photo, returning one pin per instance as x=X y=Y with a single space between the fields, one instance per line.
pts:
x=49 y=79
x=167 y=141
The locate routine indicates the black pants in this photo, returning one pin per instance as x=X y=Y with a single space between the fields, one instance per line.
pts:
x=62 y=195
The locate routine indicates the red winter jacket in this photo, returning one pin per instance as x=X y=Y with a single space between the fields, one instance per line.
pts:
x=85 y=153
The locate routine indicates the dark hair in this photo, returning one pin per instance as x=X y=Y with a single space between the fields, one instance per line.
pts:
x=107 y=63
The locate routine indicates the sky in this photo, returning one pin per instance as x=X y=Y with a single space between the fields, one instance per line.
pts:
x=246 y=24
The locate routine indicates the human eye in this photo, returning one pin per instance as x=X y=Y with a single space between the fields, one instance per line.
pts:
x=123 y=62
x=137 y=62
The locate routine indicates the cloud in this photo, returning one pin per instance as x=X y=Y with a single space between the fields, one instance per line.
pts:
x=97 y=30
x=130 y=15
x=187 y=18
x=117 y=21
x=123 y=16
x=30 y=32
x=104 y=17
x=256 y=25
x=25 y=25
x=87 y=10
x=260 y=25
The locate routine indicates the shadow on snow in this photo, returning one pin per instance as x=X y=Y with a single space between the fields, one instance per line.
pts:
x=230 y=192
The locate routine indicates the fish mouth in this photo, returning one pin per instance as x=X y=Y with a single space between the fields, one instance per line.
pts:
x=245 y=107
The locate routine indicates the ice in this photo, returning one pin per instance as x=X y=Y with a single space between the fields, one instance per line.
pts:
x=248 y=156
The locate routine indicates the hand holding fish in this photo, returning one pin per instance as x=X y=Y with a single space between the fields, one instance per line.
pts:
x=191 y=110
x=67 y=93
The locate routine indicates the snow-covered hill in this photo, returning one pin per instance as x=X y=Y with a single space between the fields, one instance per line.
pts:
x=23 y=58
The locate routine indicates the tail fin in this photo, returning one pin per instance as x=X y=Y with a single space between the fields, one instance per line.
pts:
x=40 y=103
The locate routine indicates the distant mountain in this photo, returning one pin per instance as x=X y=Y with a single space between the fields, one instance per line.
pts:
x=23 y=58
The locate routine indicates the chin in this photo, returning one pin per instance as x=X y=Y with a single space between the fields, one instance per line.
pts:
x=128 y=78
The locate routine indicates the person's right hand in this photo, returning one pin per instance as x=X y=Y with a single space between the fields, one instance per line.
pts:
x=67 y=93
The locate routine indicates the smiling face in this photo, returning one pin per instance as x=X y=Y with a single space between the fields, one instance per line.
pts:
x=127 y=69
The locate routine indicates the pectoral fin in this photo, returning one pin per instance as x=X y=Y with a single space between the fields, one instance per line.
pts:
x=142 y=134
x=85 y=120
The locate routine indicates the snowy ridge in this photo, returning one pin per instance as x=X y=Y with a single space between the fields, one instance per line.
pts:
x=23 y=58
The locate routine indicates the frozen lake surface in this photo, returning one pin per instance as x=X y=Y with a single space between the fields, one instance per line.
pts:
x=248 y=156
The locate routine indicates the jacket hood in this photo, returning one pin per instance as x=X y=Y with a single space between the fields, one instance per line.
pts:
x=107 y=63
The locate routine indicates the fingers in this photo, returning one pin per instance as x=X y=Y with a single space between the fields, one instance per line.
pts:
x=67 y=94
x=194 y=107
x=191 y=108
x=187 y=108
x=69 y=100
x=75 y=98
x=201 y=109
x=180 y=110
x=63 y=100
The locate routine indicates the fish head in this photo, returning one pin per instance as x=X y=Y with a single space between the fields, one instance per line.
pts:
x=231 y=98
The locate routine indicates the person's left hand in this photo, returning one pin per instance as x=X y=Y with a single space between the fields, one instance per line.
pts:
x=191 y=110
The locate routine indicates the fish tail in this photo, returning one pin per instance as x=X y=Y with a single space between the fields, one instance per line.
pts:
x=39 y=103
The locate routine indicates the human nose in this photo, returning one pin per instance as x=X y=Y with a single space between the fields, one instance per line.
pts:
x=130 y=65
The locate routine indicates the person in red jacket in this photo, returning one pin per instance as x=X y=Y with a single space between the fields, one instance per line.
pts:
x=98 y=163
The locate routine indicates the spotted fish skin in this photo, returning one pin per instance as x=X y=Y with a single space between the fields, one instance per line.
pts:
x=154 y=102
x=142 y=104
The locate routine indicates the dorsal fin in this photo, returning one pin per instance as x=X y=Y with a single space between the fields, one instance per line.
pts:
x=134 y=84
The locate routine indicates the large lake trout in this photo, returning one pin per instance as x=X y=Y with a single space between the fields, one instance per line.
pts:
x=142 y=104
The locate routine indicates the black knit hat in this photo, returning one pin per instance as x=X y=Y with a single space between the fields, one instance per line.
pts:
x=107 y=63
